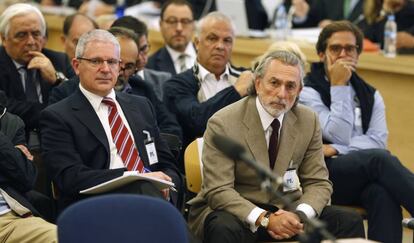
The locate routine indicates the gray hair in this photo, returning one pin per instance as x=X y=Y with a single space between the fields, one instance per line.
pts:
x=286 y=57
x=20 y=9
x=214 y=16
x=95 y=35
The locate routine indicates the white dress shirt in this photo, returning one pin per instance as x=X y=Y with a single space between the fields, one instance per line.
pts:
x=190 y=56
x=102 y=111
x=210 y=86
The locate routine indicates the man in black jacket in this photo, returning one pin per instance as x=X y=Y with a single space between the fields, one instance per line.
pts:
x=17 y=177
x=28 y=70
x=196 y=94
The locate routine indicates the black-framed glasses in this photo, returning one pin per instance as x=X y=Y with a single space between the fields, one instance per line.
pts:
x=98 y=62
x=174 y=22
x=349 y=49
x=144 y=49
x=129 y=67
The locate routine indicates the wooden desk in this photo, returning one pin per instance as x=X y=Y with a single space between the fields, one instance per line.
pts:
x=394 y=78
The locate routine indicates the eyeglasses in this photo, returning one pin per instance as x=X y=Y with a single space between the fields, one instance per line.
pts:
x=129 y=67
x=337 y=49
x=97 y=62
x=174 y=22
x=144 y=49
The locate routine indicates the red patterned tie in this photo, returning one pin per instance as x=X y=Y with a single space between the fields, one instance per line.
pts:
x=122 y=139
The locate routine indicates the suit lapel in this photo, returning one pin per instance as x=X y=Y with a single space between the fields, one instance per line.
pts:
x=134 y=117
x=165 y=61
x=11 y=74
x=256 y=141
x=287 y=142
x=255 y=136
x=85 y=113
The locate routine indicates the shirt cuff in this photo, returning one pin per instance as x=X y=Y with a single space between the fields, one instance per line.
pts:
x=306 y=209
x=252 y=218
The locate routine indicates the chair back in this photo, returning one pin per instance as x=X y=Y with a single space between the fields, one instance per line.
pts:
x=121 y=218
x=193 y=165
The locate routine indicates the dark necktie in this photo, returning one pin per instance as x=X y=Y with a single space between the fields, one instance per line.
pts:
x=273 y=143
x=30 y=85
x=122 y=139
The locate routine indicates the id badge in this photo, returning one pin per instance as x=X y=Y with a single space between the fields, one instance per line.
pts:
x=290 y=180
x=150 y=148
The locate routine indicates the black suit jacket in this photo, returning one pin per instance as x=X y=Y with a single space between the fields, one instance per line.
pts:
x=161 y=61
x=330 y=9
x=17 y=173
x=11 y=84
x=180 y=96
x=75 y=146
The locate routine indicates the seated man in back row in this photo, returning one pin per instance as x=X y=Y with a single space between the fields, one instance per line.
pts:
x=212 y=83
x=354 y=129
x=280 y=135
x=96 y=134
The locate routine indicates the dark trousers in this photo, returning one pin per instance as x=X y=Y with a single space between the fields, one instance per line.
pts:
x=377 y=181
x=224 y=227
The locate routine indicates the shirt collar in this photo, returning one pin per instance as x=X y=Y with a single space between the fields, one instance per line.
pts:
x=141 y=74
x=95 y=99
x=203 y=73
x=265 y=117
x=189 y=51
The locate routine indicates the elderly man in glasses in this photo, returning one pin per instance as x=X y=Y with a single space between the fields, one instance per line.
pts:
x=354 y=129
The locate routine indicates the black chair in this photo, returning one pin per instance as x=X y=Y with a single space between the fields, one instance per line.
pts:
x=121 y=218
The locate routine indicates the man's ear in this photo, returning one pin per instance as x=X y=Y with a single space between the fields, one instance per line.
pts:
x=321 y=56
x=75 y=65
x=196 y=42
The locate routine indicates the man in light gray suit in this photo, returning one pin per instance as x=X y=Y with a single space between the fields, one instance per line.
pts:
x=231 y=206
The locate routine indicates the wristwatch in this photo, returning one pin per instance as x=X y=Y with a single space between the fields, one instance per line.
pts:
x=60 y=77
x=265 y=220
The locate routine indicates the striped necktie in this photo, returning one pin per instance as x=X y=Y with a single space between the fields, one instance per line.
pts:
x=181 y=62
x=122 y=139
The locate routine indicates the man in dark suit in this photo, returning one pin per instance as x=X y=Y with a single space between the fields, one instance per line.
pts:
x=28 y=70
x=152 y=77
x=177 y=29
x=80 y=145
x=17 y=178
x=279 y=135
x=196 y=94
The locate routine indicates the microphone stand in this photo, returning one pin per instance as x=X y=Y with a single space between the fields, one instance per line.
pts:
x=317 y=229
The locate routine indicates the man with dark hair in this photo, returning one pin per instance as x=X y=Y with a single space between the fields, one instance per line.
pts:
x=152 y=77
x=28 y=71
x=280 y=135
x=354 y=129
x=73 y=27
x=177 y=29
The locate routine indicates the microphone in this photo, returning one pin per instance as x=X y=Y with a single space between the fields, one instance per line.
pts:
x=236 y=151
x=408 y=222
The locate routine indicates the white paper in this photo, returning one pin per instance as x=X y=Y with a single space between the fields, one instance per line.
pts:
x=127 y=177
